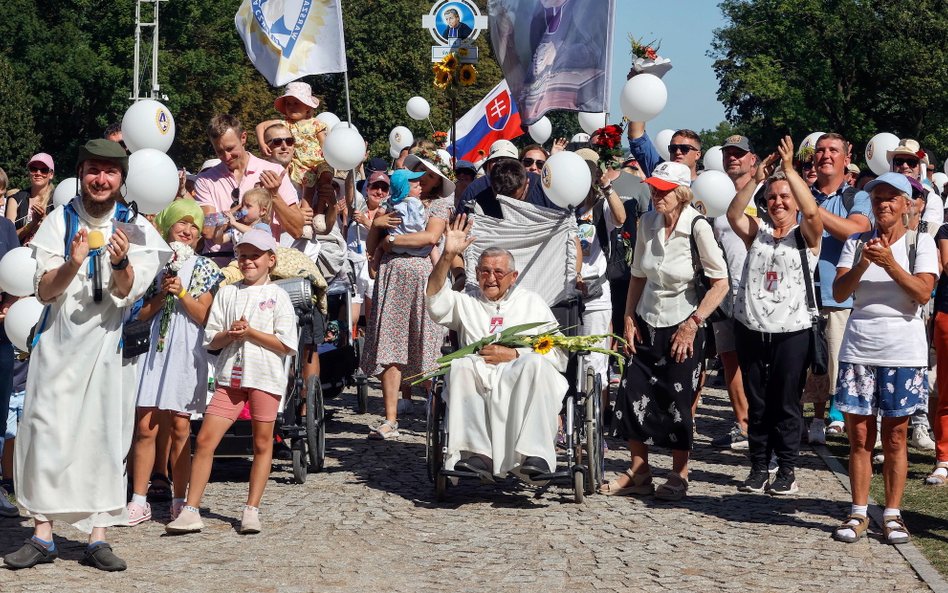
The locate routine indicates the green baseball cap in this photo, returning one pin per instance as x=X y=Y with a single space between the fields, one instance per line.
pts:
x=104 y=150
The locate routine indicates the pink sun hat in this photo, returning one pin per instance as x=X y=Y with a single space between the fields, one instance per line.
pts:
x=300 y=91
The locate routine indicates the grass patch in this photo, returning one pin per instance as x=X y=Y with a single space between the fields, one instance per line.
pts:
x=924 y=508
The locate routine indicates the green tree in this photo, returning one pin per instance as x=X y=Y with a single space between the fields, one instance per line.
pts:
x=857 y=67
x=718 y=135
x=18 y=138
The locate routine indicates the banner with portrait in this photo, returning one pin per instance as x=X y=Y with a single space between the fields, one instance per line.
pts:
x=555 y=54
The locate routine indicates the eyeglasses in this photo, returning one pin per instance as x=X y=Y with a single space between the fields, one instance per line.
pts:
x=527 y=161
x=684 y=148
x=900 y=161
x=43 y=170
x=288 y=141
x=806 y=166
x=497 y=274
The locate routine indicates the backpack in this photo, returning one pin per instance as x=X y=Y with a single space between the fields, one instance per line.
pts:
x=703 y=283
x=614 y=244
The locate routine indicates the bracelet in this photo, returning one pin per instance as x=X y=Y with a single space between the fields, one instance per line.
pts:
x=122 y=264
x=699 y=321
x=183 y=292
x=606 y=188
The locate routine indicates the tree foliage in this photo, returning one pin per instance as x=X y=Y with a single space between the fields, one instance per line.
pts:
x=857 y=67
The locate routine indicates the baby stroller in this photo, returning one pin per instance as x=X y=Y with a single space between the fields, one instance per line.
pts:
x=542 y=242
x=341 y=353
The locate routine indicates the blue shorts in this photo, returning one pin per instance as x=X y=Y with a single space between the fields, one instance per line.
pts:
x=867 y=390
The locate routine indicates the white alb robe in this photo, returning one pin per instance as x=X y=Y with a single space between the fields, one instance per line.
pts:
x=507 y=411
x=77 y=422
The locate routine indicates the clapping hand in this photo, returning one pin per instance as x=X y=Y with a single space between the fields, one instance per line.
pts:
x=785 y=149
x=766 y=167
x=877 y=251
x=239 y=329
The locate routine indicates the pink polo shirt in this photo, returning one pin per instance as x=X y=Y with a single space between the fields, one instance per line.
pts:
x=215 y=186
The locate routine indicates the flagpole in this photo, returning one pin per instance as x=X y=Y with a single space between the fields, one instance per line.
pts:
x=345 y=74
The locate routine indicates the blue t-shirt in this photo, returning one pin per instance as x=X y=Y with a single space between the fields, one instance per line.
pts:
x=832 y=247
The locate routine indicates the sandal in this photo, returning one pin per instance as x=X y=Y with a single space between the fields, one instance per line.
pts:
x=640 y=484
x=159 y=490
x=675 y=488
x=897 y=533
x=859 y=529
x=939 y=475
x=384 y=431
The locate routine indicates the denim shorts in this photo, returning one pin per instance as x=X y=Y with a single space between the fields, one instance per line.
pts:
x=866 y=390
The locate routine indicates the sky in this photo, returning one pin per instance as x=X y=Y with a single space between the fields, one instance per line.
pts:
x=685 y=40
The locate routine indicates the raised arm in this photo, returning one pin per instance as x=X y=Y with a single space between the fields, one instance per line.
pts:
x=457 y=238
x=743 y=224
x=261 y=128
x=811 y=224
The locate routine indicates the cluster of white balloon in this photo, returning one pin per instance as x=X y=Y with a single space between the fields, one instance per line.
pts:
x=344 y=147
x=17 y=269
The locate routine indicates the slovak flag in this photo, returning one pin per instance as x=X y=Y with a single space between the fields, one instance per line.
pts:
x=495 y=118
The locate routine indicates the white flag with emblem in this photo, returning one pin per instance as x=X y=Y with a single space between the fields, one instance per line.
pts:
x=289 y=39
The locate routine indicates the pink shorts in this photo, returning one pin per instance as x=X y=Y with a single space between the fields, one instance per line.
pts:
x=229 y=401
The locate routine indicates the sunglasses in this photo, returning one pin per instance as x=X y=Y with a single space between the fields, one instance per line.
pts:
x=683 y=148
x=806 y=166
x=235 y=196
x=43 y=170
x=899 y=161
x=527 y=161
x=288 y=141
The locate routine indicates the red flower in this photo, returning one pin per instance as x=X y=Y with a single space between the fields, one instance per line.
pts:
x=626 y=235
x=650 y=53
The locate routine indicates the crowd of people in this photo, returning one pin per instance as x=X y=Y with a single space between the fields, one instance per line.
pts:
x=815 y=287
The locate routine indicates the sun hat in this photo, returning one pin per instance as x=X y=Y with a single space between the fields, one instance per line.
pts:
x=104 y=150
x=260 y=239
x=502 y=148
x=44 y=158
x=400 y=186
x=447 y=186
x=669 y=175
x=892 y=179
x=852 y=169
x=301 y=91
x=589 y=155
x=908 y=147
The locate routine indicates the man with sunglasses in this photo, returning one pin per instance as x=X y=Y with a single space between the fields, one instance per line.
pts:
x=907 y=158
x=684 y=148
x=221 y=187
x=503 y=402
x=280 y=142
x=533 y=158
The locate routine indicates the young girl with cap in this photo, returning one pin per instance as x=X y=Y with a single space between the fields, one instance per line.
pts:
x=254 y=326
x=297 y=104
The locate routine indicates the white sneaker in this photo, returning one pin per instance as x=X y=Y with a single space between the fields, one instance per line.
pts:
x=7 y=508
x=404 y=407
x=817 y=433
x=836 y=427
x=921 y=440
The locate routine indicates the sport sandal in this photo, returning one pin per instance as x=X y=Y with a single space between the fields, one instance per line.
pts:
x=894 y=530
x=939 y=475
x=384 y=431
x=639 y=484
x=859 y=529
x=675 y=488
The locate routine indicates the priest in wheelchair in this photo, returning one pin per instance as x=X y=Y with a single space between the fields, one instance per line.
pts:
x=502 y=403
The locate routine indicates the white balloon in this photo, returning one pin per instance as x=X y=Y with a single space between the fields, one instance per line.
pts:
x=661 y=142
x=714 y=159
x=344 y=124
x=643 y=97
x=22 y=316
x=713 y=191
x=945 y=168
x=394 y=152
x=566 y=179
x=17 y=269
x=590 y=122
x=400 y=137
x=939 y=179
x=329 y=118
x=344 y=149
x=541 y=130
x=67 y=189
x=418 y=108
x=148 y=124
x=580 y=138
x=445 y=157
x=810 y=141
x=876 y=150
x=152 y=180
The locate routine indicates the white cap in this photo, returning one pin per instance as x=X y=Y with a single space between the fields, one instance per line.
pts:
x=503 y=148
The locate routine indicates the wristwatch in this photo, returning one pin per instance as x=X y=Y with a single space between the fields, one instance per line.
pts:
x=122 y=264
x=391 y=239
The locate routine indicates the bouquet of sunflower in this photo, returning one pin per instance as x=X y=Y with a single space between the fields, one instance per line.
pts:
x=449 y=72
x=515 y=337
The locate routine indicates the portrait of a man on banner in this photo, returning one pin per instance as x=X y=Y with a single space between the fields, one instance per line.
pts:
x=555 y=53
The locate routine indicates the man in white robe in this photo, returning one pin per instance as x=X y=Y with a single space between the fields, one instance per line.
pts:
x=502 y=403
x=77 y=423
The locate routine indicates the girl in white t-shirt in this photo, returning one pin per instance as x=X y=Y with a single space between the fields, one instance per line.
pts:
x=883 y=360
x=254 y=326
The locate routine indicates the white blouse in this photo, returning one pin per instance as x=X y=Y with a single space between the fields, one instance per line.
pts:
x=670 y=296
x=772 y=297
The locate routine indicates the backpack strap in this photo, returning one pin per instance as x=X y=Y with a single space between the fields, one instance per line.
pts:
x=72 y=226
x=805 y=269
x=695 y=256
x=911 y=246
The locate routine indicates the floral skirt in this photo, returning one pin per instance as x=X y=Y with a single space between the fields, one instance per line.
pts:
x=867 y=390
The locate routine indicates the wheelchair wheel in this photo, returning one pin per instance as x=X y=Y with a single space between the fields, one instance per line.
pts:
x=299 y=465
x=441 y=488
x=593 y=428
x=362 y=397
x=579 y=487
x=434 y=455
x=315 y=420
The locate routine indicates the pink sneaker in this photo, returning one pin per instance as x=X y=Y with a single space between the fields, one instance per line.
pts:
x=176 y=509
x=138 y=513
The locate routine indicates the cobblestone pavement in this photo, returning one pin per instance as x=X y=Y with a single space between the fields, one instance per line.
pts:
x=369 y=522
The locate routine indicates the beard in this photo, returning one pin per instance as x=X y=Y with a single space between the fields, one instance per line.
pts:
x=97 y=208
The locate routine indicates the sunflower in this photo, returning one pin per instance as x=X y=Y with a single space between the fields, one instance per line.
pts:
x=543 y=345
x=450 y=61
x=467 y=75
x=442 y=79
